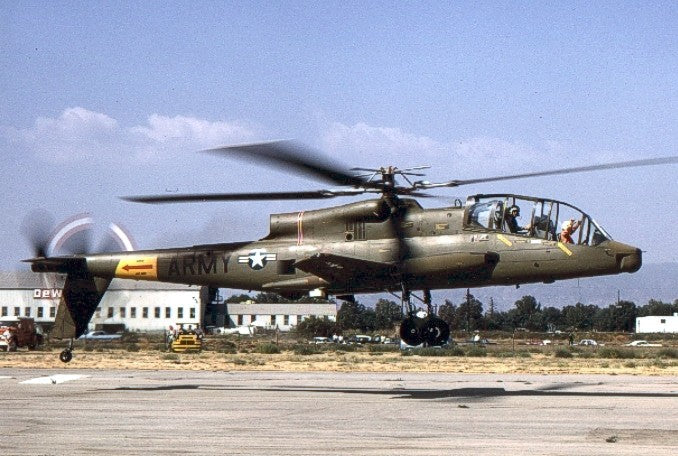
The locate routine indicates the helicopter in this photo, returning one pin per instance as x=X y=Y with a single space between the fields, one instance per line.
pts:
x=386 y=243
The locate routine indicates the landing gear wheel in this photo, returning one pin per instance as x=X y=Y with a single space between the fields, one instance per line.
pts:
x=436 y=332
x=409 y=331
x=66 y=356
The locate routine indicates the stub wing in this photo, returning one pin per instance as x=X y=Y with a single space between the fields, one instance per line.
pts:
x=337 y=269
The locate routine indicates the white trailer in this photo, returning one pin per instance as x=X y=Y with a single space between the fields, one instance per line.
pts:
x=657 y=324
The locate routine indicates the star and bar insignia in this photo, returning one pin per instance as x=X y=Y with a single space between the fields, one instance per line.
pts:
x=257 y=259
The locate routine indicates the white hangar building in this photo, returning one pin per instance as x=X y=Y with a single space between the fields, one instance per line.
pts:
x=657 y=324
x=277 y=316
x=127 y=305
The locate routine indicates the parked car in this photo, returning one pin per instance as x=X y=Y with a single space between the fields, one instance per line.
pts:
x=589 y=342
x=321 y=340
x=360 y=339
x=99 y=335
x=479 y=341
x=642 y=343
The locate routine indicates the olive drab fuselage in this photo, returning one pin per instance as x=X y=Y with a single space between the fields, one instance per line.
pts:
x=353 y=249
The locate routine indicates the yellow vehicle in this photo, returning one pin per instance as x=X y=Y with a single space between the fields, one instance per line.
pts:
x=186 y=342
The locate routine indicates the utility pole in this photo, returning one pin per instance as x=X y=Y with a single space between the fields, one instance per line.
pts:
x=468 y=309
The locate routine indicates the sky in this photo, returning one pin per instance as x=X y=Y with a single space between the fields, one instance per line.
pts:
x=106 y=100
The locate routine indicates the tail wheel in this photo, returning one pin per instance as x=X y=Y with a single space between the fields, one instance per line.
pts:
x=66 y=356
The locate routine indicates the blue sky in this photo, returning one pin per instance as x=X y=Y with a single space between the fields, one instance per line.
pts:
x=106 y=100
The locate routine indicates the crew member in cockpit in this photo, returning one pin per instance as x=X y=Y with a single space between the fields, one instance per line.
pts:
x=511 y=220
x=567 y=230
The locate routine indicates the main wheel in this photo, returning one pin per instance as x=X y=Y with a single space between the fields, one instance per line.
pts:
x=66 y=356
x=436 y=332
x=410 y=331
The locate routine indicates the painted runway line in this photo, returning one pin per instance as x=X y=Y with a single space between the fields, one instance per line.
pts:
x=53 y=379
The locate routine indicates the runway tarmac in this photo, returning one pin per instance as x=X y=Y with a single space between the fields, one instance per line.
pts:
x=83 y=412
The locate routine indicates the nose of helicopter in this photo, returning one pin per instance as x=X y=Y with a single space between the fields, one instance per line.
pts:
x=629 y=258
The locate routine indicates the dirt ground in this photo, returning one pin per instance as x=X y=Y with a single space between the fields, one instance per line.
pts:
x=523 y=361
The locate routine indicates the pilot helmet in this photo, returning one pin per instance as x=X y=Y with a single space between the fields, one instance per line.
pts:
x=515 y=210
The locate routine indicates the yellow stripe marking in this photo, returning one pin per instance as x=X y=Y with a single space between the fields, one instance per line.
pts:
x=562 y=247
x=504 y=239
x=144 y=268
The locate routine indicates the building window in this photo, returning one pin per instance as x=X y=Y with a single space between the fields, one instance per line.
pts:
x=168 y=312
x=253 y=318
x=17 y=311
x=663 y=321
x=144 y=312
x=286 y=320
x=157 y=312
x=123 y=312
x=180 y=313
x=27 y=312
x=239 y=320
x=40 y=312
x=133 y=312
x=192 y=313
x=4 y=311
x=52 y=312
x=272 y=320
x=110 y=312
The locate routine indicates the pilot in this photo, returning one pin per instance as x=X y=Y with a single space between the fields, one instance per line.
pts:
x=567 y=229
x=511 y=220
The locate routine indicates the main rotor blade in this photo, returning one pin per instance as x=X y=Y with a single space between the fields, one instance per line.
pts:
x=269 y=196
x=578 y=169
x=290 y=155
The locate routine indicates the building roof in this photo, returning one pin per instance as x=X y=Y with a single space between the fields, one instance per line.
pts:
x=30 y=280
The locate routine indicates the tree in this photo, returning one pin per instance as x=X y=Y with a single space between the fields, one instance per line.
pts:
x=368 y=322
x=603 y=320
x=579 y=316
x=658 y=308
x=527 y=314
x=387 y=314
x=349 y=315
x=624 y=316
x=494 y=320
x=238 y=298
x=470 y=313
x=617 y=317
x=267 y=297
x=314 y=326
x=448 y=312
x=552 y=317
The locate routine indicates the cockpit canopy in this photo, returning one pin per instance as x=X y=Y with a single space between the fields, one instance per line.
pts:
x=533 y=217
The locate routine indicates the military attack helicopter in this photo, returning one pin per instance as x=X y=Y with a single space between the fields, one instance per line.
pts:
x=385 y=243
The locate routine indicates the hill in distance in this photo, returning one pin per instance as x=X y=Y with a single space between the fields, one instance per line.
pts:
x=657 y=281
